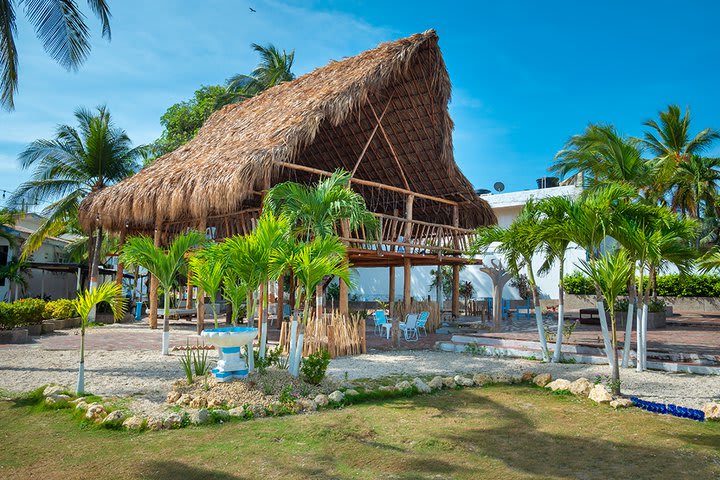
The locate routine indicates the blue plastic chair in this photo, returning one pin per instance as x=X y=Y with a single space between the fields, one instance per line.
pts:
x=422 y=320
x=380 y=320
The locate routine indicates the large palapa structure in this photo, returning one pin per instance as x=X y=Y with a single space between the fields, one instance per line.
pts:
x=381 y=115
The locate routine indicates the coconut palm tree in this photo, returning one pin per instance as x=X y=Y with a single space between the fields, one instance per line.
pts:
x=610 y=271
x=275 y=67
x=84 y=304
x=164 y=264
x=695 y=183
x=242 y=271
x=61 y=28
x=518 y=244
x=76 y=162
x=207 y=270
x=310 y=262
x=15 y=272
x=604 y=156
x=554 y=215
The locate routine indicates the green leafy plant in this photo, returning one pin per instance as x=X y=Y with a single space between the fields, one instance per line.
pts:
x=314 y=366
x=579 y=284
x=200 y=362
x=27 y=311
x=187 y=365
x=475 y=349
x=61 y=308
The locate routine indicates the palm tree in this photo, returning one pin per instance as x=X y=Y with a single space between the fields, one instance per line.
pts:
x=316 y=211
x=310 y=262
x=610 y=271
x=207 y=269
x=518 y=244
x=242 y=271
x=164 y=264
x=554 y=213
x=604 y=156
x=77 y=162
x=671 y=143
x=84 y=304
x=7 y=221
x=274 y=68
x=59 y=25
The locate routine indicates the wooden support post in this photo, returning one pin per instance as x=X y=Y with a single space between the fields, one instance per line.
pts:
x=153 y=294
x=456 y=268
x=280 y=299
x=200 y=293
x=391 y=292
x=319 y=301
x=455 y=291
x=120 y=266
x=407 y=284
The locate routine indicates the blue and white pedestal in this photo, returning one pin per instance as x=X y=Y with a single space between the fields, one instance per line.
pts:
x=229 y=341
x=231 y=365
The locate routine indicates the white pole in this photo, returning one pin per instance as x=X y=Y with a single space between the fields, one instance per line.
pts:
x=541 y=333
x=644 y=336
x=293 y=339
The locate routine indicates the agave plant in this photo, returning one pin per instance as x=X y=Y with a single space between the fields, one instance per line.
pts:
x=86 y=303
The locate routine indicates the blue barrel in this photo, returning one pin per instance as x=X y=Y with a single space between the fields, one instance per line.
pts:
x=138 y=310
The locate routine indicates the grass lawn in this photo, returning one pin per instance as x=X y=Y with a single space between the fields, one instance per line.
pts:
x=504 y=432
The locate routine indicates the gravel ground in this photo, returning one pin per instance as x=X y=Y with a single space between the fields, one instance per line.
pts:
x=146 y=376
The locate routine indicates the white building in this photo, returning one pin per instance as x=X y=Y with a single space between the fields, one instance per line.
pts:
x=373 y=283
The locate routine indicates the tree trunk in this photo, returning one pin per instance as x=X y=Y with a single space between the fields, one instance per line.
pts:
x=166 y=321
x=94 y=269
x=632 y=299
x=80 y=388
x=561 y=314
x=615 y=365
x=538 y=313
x=607 y=342
x=263 y=334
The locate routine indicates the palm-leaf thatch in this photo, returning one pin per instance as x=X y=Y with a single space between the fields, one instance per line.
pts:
x=325 y=120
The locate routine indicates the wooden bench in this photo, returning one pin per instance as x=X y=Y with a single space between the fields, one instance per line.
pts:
x=589 y=316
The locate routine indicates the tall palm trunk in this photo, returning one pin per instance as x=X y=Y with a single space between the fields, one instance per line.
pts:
x=603 y=323
x=265 y=304
x=293 y=332
x=80 y=388
x=538 y=313
x=166 y=320
x=561 y=313
x=301 y=333
x=95 y=268
x=615 y=365
x=632 y=300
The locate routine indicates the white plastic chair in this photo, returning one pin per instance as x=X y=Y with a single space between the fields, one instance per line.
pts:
x=409 y=327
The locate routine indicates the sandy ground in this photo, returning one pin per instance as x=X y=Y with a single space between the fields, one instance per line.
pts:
x=146 y=376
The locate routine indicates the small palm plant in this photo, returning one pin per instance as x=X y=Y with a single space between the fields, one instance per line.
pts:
x=310 y=262
x=84 y=304
x=207 y=270
x=163 y=264
x=610 y=272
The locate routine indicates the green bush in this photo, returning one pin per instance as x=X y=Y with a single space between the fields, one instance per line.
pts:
x=7 y=321
x=578 y=284
x=62 y=308
x=673 y=285
x=314 y=366
x=27 y=311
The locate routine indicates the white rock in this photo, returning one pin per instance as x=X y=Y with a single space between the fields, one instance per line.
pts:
x=404 y=385
x=621 y=403
x=54 y=390
x=95 y=412
x=307 y=405
x=174 y=420
x=449 y=382
x=712 y=411
x=114 y=418
x=581 y=387
x=481 y=379
x=81 y=405
x=502 y=378
x=351 y=392
x=134 y=423
x=321 y=400
x=337 y=396
x=436 y=383
x=200 y=417
x=237 y=412
x=599 y=394
x=559 y=384
x=542 y=380
x=173 y=397
x=463 y=381
x=421 y=386
x=56 y=398
x=155 y=423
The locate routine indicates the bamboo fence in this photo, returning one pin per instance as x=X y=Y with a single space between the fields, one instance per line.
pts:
x=340 y=335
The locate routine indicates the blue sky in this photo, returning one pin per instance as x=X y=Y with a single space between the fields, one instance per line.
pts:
x=526 y=75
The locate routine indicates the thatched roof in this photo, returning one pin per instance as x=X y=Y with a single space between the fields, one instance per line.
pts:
x=320 y=120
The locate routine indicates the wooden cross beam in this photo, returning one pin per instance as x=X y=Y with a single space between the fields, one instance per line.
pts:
x=372 y=135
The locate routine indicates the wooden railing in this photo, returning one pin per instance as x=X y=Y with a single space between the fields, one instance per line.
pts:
x=397 y=234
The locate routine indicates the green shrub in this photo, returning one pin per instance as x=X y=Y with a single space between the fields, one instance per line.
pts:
x=7 y=322
x=314 y=366
x=61 y=308
x=27 y=311
x=578 y=284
